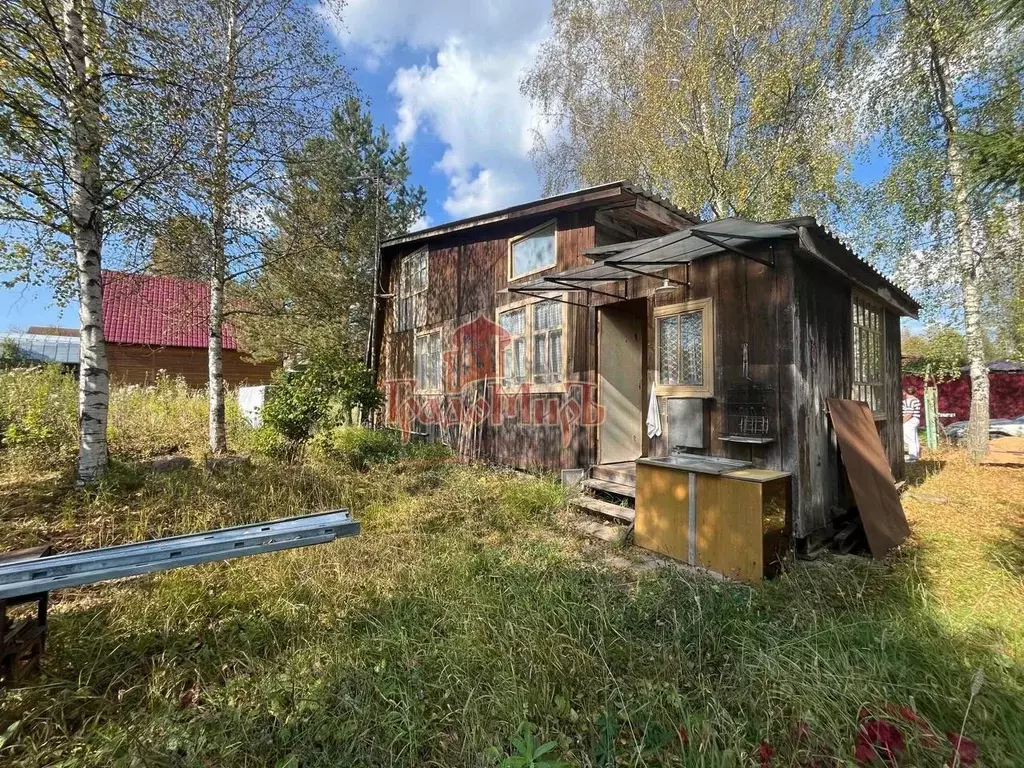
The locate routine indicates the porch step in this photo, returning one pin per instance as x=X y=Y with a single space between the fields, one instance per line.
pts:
x=607 y=486
x=623 y=473
x=604 y=509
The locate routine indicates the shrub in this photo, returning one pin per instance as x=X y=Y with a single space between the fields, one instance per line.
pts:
x=267 y=442
x=323 y=392
x=38 y=414
x=359 y=447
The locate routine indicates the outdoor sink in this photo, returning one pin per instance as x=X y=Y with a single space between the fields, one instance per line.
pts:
x=709 y=465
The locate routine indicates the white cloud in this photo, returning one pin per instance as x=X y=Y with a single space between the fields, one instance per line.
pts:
x=467 y=93
x=421 y=223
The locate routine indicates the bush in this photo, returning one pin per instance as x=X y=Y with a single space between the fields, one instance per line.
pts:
x=266 y=442
x=322 y=393
x=359 y=447
x=38 y=414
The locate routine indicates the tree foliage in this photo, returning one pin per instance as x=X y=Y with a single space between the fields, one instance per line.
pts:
x=344 y=192
x=728 y=107
x=938 y=352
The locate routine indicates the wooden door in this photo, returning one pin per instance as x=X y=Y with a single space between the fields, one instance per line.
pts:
x=620 y=378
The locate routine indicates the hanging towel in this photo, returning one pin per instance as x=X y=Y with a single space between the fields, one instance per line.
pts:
x=653 y=417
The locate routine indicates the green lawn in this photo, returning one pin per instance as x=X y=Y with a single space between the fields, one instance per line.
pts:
x=469 y=616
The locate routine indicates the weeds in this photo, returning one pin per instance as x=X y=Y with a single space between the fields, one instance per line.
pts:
x=464 y=619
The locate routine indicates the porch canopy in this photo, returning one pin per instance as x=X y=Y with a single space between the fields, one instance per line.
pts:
x=651 y=257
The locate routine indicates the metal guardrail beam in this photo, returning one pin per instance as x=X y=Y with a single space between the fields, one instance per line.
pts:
x=76 y=569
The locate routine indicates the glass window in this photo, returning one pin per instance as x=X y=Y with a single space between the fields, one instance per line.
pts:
x=533 y=350
x=681 y=349
x=533 y=252
x=410 y=301
x=428 y=362
x=513 y=361
x=547 y=342
x=684 y=349
x=868 y=354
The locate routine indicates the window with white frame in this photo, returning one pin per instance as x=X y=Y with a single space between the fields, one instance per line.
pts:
x=547 y=342
x=533 y=251
x=532 y=351
x=513 y=356
x=868 y=354
x=411 y=294
x=427 y=355
x=684 y=348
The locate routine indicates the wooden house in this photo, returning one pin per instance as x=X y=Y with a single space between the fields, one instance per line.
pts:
x=534 y=336
x=157 y=325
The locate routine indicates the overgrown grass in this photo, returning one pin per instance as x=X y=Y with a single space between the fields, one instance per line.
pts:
x=467 y=613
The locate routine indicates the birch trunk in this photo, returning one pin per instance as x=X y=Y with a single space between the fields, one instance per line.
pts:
x=220 y=199
x=978 y=426
x=82 y=38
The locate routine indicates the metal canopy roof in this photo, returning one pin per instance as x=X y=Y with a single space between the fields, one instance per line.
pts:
x=622 y=261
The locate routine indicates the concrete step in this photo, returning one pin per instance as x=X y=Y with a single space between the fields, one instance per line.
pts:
x=606 y=486
x=613 y=533
x=604 y=509
x=623 y=473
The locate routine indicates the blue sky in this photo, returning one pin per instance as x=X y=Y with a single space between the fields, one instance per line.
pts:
x=443 y=76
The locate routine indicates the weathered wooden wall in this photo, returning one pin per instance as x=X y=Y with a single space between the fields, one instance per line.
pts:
x=468 y=280
x=139 y=364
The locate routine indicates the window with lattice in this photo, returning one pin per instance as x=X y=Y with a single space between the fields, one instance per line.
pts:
x=868 y=354
x=411 y=293
x=684 y=349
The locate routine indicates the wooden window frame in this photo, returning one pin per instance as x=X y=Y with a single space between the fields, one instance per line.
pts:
x=869 y=304
x=436 y=331
x=423 y=252
x=526 y=235
x=528 y=304
x=707 y=389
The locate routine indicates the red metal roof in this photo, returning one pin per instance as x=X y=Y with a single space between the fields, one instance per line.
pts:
x=157 y=311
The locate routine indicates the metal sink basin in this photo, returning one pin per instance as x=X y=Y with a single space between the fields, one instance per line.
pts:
x=708 y=465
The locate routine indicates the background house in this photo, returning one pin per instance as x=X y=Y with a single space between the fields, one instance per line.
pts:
x=154 y=323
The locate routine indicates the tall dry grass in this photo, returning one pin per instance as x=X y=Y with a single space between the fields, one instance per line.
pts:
x=465 y=616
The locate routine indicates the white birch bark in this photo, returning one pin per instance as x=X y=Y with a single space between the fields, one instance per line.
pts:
x=978 y=426
x=82 y=38
x=221 y=195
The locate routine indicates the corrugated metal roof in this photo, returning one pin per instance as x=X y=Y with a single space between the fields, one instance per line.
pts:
x=44 y=348
x=157 y=311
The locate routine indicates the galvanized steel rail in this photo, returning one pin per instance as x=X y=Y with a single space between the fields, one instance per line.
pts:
x=75 y=569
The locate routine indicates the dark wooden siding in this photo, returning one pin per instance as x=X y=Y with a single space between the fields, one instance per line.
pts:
x=468 y=280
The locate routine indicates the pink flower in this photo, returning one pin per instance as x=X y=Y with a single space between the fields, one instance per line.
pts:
x=766 y=752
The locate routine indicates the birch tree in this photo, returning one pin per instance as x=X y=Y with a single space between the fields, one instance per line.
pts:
x=941 y=70
x=267 y=76
x=725 y=106
x=80 y=140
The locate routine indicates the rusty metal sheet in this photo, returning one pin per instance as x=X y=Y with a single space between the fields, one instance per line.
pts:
x=874 y=487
